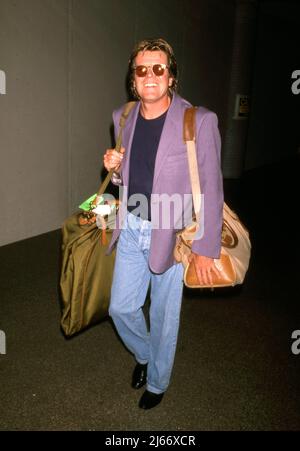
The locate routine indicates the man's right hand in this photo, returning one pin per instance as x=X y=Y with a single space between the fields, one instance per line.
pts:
x=112 y=159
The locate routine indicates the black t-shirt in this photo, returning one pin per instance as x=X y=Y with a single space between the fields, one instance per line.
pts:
x=142 y=162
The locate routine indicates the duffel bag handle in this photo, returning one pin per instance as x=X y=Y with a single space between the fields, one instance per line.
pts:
x=128 y=107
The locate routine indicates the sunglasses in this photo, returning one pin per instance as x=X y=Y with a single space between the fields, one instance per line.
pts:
x=157 y=69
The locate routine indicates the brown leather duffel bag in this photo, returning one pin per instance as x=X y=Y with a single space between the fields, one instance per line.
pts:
x=236 y=247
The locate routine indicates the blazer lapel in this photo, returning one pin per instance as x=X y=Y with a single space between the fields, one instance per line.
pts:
x=166 y=139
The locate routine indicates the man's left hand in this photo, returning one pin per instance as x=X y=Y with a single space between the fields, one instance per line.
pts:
x=205 y=268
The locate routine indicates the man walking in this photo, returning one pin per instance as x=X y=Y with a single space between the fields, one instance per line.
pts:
x=152 y=164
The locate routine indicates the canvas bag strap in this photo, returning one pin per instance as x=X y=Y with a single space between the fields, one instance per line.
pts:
x=128 y=107
x=189 y=137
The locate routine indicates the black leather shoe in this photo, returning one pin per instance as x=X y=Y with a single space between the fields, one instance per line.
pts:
x=139 y=376
x=149 y=400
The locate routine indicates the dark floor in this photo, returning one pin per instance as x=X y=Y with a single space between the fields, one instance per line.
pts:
x=234 y=367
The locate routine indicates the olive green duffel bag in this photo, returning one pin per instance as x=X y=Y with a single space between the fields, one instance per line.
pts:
x=86 y=273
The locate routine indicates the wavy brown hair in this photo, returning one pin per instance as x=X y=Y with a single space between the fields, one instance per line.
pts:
x=152 y=45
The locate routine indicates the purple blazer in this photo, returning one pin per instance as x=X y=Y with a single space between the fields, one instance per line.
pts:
x=171 y=176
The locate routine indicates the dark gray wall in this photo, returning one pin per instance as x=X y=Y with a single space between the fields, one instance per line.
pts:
x=33 y=117
x=274 y=126
x=65 y=63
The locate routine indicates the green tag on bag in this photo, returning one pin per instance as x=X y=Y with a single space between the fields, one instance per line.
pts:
x=87 y=203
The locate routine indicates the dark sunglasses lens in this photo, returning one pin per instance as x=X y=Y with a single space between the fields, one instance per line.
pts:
x=158 y=70
x=141 y=71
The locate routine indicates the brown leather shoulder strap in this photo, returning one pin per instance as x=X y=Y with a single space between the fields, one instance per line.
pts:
x=189 y=136
x=189 y=124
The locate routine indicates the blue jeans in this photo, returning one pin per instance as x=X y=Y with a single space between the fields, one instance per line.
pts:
x=131 y=280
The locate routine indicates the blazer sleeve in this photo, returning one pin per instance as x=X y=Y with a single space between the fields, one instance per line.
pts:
x=208 y=145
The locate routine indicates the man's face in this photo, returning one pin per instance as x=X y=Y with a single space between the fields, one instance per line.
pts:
x=152 y=88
